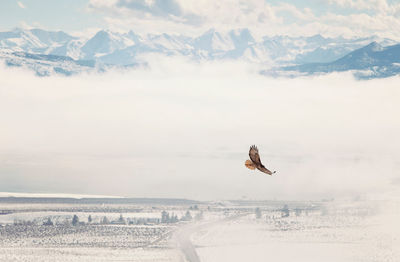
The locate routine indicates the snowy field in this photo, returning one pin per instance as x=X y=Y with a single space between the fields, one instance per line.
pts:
x=115 y=232
x=88 y=254
x=343 y=232
x=86 y=243
x=229 y=231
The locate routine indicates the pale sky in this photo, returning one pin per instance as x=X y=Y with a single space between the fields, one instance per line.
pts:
x=288 y=17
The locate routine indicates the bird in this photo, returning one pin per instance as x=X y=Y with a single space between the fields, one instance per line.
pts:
x=255 y=161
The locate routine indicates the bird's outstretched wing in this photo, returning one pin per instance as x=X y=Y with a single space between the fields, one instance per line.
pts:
x=265 y=170
x=254 y=156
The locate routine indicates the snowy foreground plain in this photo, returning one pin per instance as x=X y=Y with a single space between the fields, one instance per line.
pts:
x=218 y=231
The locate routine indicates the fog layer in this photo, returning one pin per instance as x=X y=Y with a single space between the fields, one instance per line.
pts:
x=183 y=130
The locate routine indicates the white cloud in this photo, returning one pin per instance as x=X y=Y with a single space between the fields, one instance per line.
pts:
x=349 y=17
x=195 y=16
x=183 y=130
x=21 y=5
x=374 y=5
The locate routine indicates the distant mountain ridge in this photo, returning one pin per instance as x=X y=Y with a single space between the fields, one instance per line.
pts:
x=48 y=52
x=371 y=61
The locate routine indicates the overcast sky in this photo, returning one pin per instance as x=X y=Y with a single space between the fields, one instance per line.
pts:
x=287 y=17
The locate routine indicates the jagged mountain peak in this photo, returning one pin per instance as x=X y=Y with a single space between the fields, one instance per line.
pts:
x=242 y=35
x=364 y=54
x=135 y=37
x=370 y=61
x=103 y=35
x=316 y=36
x=373 y=47
x=105 y=42
x=116 y=48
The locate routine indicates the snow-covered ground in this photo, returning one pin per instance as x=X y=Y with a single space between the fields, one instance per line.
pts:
x=140 y=236
x=350 y=232
x=342 y=231
x=88 y=254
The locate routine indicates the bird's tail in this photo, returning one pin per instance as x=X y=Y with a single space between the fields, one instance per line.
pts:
x=249 y=164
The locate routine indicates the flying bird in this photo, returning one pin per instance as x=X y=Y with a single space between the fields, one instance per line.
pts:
x=255 y=161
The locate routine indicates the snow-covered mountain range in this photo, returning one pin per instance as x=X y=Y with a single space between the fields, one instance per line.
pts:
x=371 y=61
x=49 y=52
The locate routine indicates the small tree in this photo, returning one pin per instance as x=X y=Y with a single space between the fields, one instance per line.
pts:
x=164 y=217
x=48 y=222
x=258 y=213
x=105 y=221
x=89 y=219
x=121 y=219
x=188 y=216
x=195 y=207
x=285 y=211
x=173 y=218
x=75 y=220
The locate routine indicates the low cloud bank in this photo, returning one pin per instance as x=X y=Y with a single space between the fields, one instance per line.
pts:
x=182 y=129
